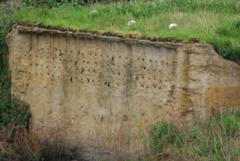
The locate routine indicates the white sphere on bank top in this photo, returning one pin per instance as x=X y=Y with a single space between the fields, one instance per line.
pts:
x=131 y=22
x=172 y=26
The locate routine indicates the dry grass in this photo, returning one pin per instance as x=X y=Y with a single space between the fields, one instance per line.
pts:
x=21 y=144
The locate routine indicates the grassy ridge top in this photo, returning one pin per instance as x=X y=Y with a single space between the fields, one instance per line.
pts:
x=213 y=21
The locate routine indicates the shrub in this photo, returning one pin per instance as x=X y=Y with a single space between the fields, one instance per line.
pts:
x=12 y=111
x=7 y=19
x=163 y=134
x=15 y=113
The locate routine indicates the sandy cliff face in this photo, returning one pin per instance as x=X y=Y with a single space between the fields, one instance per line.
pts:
x=106 y=91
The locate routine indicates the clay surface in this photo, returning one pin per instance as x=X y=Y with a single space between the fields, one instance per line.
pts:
x=108 y=91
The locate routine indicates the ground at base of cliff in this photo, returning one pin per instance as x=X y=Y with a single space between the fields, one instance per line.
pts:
x=215 y=140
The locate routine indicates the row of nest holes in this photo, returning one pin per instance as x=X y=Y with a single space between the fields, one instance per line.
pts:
x=137 y=77
x=117 y=84
x=88 y=61
x=95 y=63
x=142 y=59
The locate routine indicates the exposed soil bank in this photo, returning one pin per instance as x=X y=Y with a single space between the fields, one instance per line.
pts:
x=108 y=90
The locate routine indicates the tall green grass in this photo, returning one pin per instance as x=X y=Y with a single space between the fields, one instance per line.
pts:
x=215 y=140
x=213 y=21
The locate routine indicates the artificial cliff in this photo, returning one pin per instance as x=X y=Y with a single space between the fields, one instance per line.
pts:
x=106 y=90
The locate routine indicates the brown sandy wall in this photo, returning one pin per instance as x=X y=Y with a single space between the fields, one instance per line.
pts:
x=104 y=90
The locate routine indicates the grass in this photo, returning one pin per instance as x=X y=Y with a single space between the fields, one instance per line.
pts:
x=216 y=140
x=20 y=144
x=214 y=21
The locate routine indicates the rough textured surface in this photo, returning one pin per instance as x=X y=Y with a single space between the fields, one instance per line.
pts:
x=108 y=91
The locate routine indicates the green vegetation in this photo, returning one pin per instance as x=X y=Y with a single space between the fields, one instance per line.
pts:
x=12 y=111
x=216 y=140
x=214 y=21
x=163 y=134
x=56 y=3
